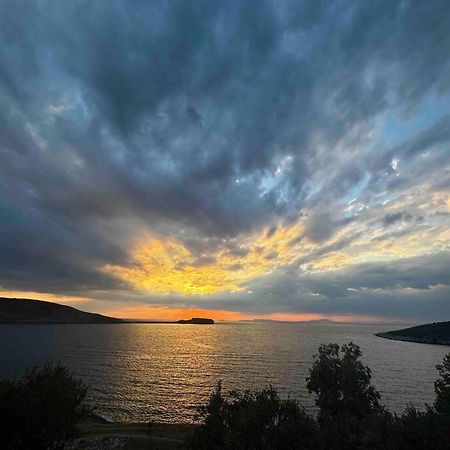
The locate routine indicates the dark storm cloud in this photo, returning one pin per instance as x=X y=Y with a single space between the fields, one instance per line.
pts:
x=400 y=216
x=219 y=117
x=320 y=227
x=417 y=273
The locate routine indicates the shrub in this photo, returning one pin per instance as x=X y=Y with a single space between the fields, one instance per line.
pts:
x=254 y=420
x=350 y=415
x=430 y=428
x=442 y=388
x=39 y=410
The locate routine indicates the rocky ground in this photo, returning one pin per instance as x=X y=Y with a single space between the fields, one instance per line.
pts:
x=130 y=436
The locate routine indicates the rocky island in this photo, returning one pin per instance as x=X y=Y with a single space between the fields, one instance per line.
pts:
x=433 y=333
x=197 y=321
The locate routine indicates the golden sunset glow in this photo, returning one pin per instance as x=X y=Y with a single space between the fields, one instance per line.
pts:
x=172 y=314
x=167 y=266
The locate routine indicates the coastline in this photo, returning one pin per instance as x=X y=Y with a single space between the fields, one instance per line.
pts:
x=431 y=340
x=97 y=434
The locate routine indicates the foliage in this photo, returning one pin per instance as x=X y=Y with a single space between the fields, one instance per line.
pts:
x=430 y=428
x=39 y=410
x=254 y=420
x=344 y=394
x=442 y=388
x=350 y=415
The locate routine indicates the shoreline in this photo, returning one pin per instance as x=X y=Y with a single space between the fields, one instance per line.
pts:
x=97 y=434
x=430 y=341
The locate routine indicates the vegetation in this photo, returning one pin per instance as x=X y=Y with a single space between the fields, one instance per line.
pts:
x=253 y=420
x=40 y=410
x=350 y=415
x=432 y=333
x=344 y=395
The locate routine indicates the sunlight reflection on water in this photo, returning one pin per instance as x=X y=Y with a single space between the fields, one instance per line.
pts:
x=138 y=372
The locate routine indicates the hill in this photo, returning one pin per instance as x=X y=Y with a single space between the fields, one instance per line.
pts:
x=14 y=310
x=433 y=333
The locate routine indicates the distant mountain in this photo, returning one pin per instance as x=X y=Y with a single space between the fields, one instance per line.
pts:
x=194 y=321
x=14 y=310
x=433 y=333
x=288 y=321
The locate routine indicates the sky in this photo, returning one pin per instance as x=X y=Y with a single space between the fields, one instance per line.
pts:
x=285 y=159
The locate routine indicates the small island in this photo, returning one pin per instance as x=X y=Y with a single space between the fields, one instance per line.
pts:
x=432 y=333
x=197 y=321
x=193 y=321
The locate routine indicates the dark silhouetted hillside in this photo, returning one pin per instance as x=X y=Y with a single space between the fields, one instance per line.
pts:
x=13 y=310
x=432 y=333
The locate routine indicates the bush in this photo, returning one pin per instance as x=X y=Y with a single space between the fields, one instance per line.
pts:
x=430 y=428
x=254 y=420
x=442 y=389
x=350 y=416
x=39 y=410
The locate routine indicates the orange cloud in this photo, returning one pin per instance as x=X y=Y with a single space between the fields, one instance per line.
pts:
x=164 y=265
x=167 y=266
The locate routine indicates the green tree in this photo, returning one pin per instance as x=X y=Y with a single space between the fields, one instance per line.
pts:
x=254 y=420
x=40 y=409
x=211 y=434
x=417 y=430
x=350 y=416
x=442 y=388
x=344 y=394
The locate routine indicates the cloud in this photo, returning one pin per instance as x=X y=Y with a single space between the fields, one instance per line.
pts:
x=272 y=136
x=392 y=218
x=414 y=289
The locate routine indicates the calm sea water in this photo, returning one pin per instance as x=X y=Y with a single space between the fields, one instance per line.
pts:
x=138 y=372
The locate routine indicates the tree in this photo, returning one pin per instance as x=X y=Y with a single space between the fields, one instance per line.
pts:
x=344 y=394
x=442 y=388
x=254 y=420
x=442 y=402
x=211 y=433
x=41 y=409
x=350 y=416
x=417 y=430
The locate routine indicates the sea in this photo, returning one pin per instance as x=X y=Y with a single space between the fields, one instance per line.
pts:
x=163 y=372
